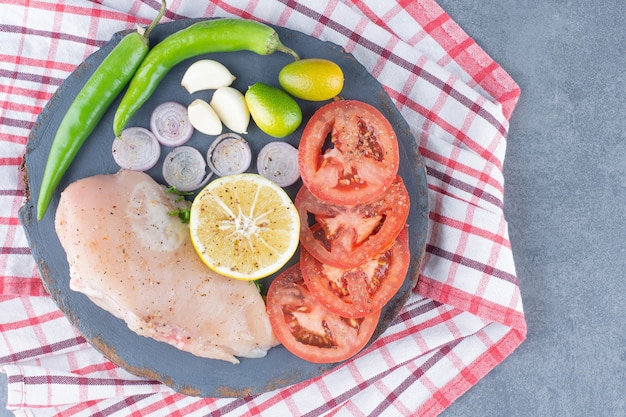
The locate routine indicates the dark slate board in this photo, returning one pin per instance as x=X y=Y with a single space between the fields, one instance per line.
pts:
x=146 y=357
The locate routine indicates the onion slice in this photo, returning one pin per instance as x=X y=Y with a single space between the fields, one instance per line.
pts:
x=136 y=149
x=229 y=154
x=185 y=169
x=170 y=124
x=278 y=161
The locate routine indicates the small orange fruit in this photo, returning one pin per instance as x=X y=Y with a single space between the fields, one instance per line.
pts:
x=313 y=79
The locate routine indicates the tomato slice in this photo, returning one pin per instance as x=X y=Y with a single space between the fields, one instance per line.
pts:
x=348 y=153
x=309 y=330
x=359 y=291
x=346 y=237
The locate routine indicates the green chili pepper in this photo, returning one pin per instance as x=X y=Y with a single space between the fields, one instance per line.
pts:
x=89 y=106
x=218 y=35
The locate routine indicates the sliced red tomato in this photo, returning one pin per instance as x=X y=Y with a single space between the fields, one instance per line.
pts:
x=348 y=153
x=308 y=329
x=346 y=237
x=359 y=291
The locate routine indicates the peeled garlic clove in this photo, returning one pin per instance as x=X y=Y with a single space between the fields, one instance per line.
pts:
x=206 y=74
x=204 y=118
x=230 y=106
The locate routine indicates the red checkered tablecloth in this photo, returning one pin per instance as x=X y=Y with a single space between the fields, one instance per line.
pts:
x=464 y=317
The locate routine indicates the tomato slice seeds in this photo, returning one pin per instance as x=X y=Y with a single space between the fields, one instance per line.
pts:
x=309 y=330
x=348 y=153
x=362 y=290
x=347 y=236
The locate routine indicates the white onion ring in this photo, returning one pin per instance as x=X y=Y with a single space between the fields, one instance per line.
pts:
x=184 y=168
x=229 y=154
x=136 y=149
x=278 y=161
x=170 y=124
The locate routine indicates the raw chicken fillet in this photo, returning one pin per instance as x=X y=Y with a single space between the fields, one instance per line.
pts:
x=133 y=259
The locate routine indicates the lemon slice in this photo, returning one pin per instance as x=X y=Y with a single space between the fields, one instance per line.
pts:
x=244 y=226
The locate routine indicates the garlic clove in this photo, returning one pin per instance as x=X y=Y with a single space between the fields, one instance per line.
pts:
x=204 y=118
x=230 y=106
x=206 y=74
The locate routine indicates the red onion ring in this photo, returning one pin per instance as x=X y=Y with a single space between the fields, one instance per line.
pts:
x=229 y=154
x=136 y=149
x=170 y=124
x=278 y=161
x=185 y=169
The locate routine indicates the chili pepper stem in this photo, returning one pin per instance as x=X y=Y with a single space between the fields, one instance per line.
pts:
x=146 y=33
x=287 y=50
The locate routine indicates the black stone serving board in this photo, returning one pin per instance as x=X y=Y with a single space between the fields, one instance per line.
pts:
x=146 y=357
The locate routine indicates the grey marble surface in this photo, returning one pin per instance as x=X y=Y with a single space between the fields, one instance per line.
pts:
x=565 y=174
x=565 y=185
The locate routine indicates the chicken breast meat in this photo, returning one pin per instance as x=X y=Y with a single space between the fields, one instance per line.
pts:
x=133 y=259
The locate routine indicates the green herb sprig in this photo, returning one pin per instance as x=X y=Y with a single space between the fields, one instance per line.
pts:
x=183 y=213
